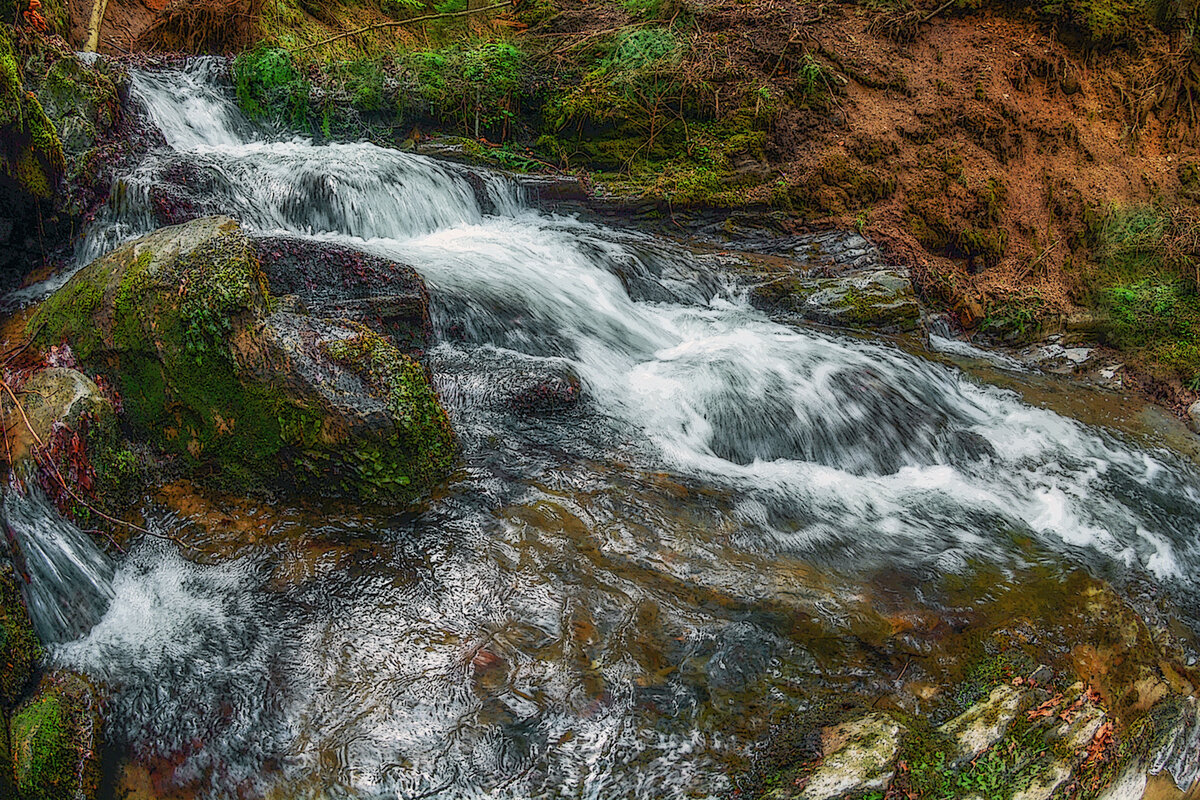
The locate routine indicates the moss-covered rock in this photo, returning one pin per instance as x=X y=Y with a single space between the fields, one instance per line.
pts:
x=81 y=100
x=8 y=785
x=881 y=299
x=31 y=156
x=856 y=756
x=19 y=647
x=182 y=320
x=51 y=396
x=56 y=740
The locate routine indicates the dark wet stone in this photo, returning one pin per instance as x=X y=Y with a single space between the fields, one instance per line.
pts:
x=968 y=446
x=825 y=254
x=554 y=388
x=174 y=191
x=338 y=282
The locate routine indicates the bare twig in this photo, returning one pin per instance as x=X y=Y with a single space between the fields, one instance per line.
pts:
x=400 y=23
x=42 y=457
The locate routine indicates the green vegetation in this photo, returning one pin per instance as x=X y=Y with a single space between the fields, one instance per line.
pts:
x=56 y=741
x=19 y=647
x=478 y=90
x=999 y=773
x=269 y=87
x=43 y=768
x=32 y=155
x=423 y=448
x=1145 y=279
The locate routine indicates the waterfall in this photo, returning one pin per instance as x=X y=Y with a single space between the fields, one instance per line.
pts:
x=67 y=581
x=575 y=614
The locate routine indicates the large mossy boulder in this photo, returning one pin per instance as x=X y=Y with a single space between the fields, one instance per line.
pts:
x=83 y=102
x=56 y=740
x=19 y=646
x=237 y=389
x=31 y=156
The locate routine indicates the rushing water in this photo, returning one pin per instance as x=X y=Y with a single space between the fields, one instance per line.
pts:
x=603 y=602
x=67 y=581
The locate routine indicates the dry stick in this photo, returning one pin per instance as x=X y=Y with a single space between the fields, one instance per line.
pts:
x=400 y=23
x=13 y=352
x=938 y=10
x=63 y=482
x=782 y=54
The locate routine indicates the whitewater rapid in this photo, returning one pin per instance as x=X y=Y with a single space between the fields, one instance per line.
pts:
x=844 y=453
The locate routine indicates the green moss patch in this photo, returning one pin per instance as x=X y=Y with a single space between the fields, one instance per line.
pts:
x=1145 y=280
x=20 y=650
x=31 y=155
x=56 y=739
x=422 y=449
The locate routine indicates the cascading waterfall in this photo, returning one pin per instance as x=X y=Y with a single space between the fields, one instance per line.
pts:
x=66 y=580
x=553 y=627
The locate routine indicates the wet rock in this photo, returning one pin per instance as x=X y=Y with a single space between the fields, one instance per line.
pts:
x=177 y=190
x=826 y=254
x=554 y=388
x=969 y=446
x=1193 y=416
x=1042 y=675
x=554 y=192
x=985 y=723
x=881 y=298
x=338 y=282
x=856 y=757
x=19 y=647
x=1053 y=356
x=52 y=396
x=181 y=320
x=83 y=100
x=57 y=737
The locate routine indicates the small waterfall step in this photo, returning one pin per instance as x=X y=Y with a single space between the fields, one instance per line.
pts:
x=67 y=580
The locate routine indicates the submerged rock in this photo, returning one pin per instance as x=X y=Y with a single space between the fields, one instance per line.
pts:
x=985 y=723
x=238 y=393
x=56 y=740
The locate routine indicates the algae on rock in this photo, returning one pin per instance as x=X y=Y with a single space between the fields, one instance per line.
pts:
x=56 y=740
x=182 y=321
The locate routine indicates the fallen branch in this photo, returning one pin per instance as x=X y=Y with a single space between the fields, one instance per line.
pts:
x=937 y=10
x=93 y=40
x=400 y=23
